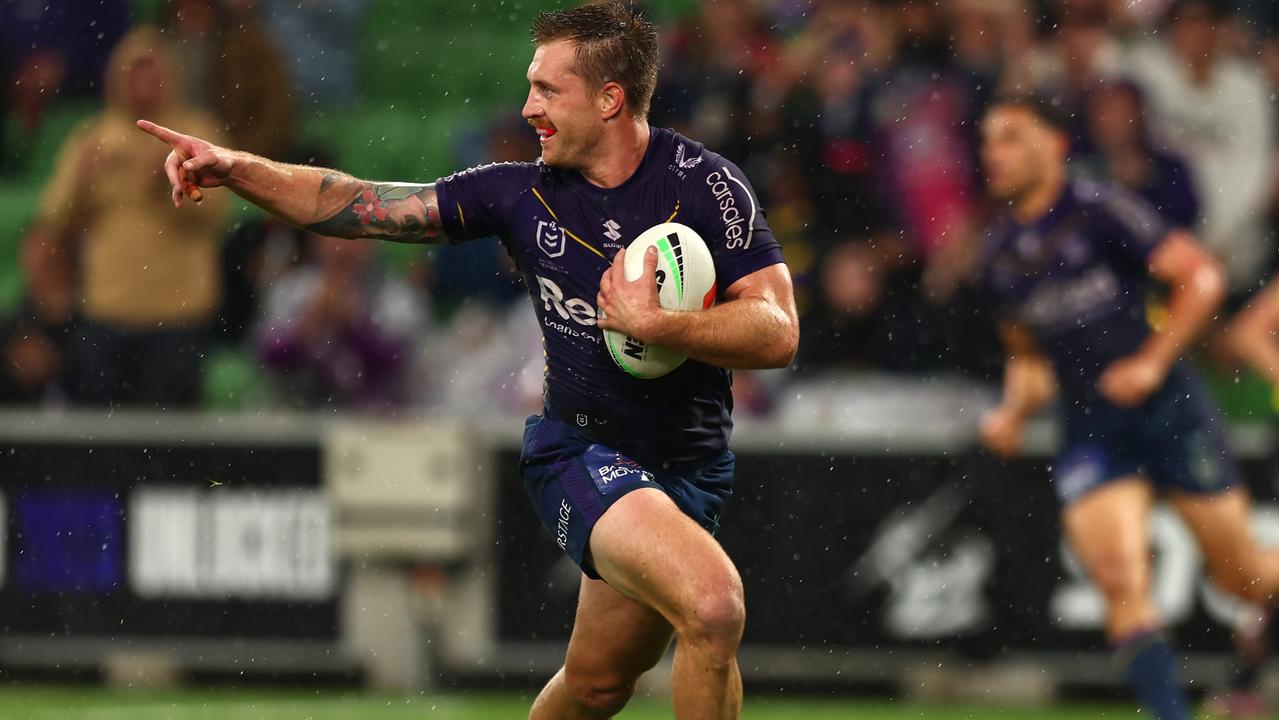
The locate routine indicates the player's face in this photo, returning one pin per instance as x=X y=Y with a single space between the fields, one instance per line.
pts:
x=1016 y=151
x=561 y=107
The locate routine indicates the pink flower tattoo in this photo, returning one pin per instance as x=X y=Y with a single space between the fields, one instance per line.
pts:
x=371 y=208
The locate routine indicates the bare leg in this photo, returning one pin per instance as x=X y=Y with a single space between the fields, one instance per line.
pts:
x=1222 y=524
x=615 y=640
x=1109 y=530
x=650 y=551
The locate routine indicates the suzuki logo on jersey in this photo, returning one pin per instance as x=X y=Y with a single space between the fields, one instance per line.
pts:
x=611 y=230
x=575 y=309
x=739 y=229
x=550 y=238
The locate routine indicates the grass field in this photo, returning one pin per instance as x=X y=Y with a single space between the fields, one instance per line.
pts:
x=89 y=704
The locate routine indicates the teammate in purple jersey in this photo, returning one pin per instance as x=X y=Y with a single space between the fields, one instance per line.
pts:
x=1071 y=264
x=627 y=476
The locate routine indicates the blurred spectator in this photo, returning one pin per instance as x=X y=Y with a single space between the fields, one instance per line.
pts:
x=827 y=122
x=318 y=41
x=47 y=51
x=339 y=332
x=31 y=366
x=1067 y=63
x=71 y=38
x=787 y=193
x=147 y=283
x=237 y=72
x=196 y=27
x=923 y=109
x=868 y=315
x=483 y=272
x=1123 y=152
x=487 y=360
x=255 y=254
x=713 y=66
x=1216 y=110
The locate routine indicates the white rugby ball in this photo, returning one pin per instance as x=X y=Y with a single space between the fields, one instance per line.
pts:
x=685 y=281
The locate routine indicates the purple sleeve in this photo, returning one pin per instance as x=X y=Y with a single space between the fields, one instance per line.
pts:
x=1136 y=228
x=723 y=208
x=477 y=203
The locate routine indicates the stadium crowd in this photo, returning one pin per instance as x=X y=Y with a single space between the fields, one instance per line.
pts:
x=855 y=119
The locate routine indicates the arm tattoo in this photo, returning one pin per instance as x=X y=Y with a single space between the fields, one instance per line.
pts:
x=401 y=212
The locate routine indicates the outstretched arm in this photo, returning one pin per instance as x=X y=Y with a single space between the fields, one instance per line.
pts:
x=326 y=202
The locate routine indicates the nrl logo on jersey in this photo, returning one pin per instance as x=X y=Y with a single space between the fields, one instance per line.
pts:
x=550 y=238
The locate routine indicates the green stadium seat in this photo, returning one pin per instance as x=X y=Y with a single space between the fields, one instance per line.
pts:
x=233 y=381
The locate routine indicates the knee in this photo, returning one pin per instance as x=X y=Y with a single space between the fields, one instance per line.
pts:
x=716 y=616
x=598 y=694
x=1119 y=579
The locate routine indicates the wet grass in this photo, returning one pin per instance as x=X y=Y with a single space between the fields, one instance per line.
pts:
x=53 y=703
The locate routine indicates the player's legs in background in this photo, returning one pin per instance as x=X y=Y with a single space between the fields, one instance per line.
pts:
x=1222 y=525
x=1108 y=529
x=650 y=551
x=615 y=640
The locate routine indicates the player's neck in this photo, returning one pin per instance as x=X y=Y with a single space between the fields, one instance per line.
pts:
x=1040 y=199
x=620 y=153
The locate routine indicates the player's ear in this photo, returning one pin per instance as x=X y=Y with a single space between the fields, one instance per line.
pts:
x=612 y=101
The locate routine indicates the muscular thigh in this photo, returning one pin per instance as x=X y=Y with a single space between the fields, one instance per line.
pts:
x=615 y=639
x=1108 y=530
x=650 y=551
x=1223 y=529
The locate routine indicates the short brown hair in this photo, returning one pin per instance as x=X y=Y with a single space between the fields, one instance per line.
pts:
x=614 y=44
x=1048 y=109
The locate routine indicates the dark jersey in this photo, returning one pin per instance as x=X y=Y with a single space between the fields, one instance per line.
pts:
x=1078 y=279
x=563 y=232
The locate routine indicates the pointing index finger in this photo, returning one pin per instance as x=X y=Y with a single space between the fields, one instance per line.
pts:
x=160 y=131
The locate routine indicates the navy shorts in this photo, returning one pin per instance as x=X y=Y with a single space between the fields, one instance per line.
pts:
x=1176 y=440
x=573 y=480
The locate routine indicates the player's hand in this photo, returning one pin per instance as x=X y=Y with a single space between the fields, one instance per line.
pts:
x=630 y=307
x=192 y=163
x=1129 y=381
x=1001 y=430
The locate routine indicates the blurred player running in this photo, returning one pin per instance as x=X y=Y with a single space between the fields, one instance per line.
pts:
x=1071 y=264
x=1251 y=335
x=627 y=475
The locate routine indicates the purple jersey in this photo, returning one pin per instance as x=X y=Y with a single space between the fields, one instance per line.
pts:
x=1077 y=279
x=563 y=232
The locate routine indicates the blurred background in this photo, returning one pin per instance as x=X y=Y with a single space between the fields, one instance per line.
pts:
x=233 y=453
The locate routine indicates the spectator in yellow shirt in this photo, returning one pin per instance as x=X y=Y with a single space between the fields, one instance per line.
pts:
x=140 y=279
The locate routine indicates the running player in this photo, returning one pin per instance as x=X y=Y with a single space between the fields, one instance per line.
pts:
x=1251 y=333
x=1251 y=336
x=1071 y=263
x=628 y=476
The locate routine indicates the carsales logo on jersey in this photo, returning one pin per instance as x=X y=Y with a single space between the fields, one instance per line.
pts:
x=738 y=228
